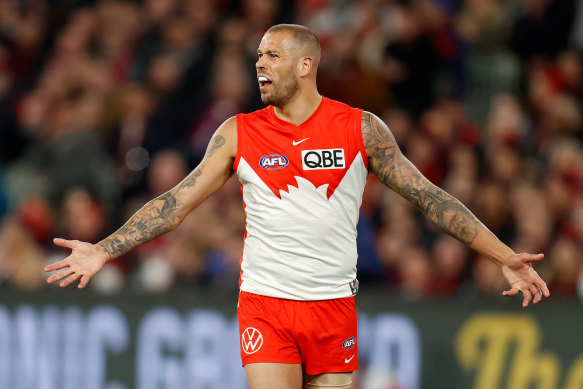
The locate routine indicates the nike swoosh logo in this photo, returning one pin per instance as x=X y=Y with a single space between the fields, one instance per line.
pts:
x=347 y=360
x=298 y=142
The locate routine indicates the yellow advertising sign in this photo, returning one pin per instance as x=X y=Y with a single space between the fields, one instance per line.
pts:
x=505 y=352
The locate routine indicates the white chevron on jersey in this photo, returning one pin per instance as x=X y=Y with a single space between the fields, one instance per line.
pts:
x=301 y=246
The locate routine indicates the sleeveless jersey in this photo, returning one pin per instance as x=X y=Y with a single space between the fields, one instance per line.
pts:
x=302 y=190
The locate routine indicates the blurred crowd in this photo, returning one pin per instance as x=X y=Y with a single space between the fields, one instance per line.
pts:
x=105 y=104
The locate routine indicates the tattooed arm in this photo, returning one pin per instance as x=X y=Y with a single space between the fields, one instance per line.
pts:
x=156 y=217
x=395 y=171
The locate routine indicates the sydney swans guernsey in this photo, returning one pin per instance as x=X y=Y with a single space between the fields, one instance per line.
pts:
x=302 y=189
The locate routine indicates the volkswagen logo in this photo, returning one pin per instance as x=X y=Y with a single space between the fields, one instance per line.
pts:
x=251 y=340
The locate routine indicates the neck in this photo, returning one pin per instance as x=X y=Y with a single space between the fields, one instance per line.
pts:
x=299 y=108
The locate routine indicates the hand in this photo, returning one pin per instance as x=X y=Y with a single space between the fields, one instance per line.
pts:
x=83 y=263
x=522 y=277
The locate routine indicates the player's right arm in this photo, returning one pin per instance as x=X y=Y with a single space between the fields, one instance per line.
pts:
x=156 y=217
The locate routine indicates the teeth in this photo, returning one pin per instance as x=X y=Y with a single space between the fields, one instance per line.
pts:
x=262 y=79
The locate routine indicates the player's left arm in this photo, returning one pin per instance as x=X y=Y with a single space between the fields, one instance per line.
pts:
x=387 y=162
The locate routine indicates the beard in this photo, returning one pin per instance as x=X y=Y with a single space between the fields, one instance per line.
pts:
x=281 y=94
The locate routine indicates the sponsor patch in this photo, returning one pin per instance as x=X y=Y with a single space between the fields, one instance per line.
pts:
x=349 y=343
x=323 y=159
x=251 y=340
x=273 y=161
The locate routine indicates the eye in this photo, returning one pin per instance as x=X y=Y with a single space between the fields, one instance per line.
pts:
x=272 y=55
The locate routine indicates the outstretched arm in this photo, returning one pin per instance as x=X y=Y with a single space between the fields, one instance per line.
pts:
x=393 y=169
x=156 y=217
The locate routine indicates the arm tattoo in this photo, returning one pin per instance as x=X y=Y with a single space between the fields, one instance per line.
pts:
x=190 y=180
x=217 y=142
x=158 y=216
x=155 y=218
x=380 y=146
x=398 y=173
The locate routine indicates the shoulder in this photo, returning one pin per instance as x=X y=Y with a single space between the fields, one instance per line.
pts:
x=367 y=118
x=378 y=139
x=229 y=127
x=226 y=135
x=369 y=122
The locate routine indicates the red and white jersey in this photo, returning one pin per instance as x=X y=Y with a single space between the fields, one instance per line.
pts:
x=302 y=190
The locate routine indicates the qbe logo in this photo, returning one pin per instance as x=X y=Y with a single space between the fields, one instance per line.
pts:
x=251 y=340
x=323 y=159
x=273 y=161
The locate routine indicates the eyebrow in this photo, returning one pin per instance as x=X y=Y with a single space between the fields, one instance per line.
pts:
x=267 y=52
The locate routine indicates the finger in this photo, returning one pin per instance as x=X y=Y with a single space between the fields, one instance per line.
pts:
x=59 y=276
x=64 y=243
x=70 y=280
x=536 y=293
x=84 y=280
x=511 y=292
x=542 y=286
x=57 y=265
x=527 y=296
x=534 y=257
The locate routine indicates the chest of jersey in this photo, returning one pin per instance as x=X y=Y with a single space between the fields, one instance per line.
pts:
x=302 y=189
x=320 y=150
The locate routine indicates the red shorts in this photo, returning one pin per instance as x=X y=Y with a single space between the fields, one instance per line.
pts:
x=319 y=335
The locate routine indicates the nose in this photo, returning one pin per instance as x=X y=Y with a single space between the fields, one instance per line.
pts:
x=259 y=64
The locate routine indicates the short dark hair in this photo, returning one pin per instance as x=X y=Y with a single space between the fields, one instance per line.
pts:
x=300 y=33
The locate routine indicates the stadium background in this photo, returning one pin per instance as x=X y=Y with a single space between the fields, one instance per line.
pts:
x=106 y=104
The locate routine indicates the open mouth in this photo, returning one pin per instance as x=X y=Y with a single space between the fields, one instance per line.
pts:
x=263 y=81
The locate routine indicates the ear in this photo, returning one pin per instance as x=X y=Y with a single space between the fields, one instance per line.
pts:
x=305 y=65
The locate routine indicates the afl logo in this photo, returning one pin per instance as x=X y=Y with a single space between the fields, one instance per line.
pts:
x=349 y=343
x=273 y=161
x=251 y=340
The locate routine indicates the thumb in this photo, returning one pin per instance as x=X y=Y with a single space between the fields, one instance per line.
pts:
x=534 y=257
x=64 y=243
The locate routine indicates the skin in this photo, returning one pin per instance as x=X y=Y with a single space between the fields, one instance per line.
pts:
x=291 y=68
x=387 y=162
x=156 y=217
